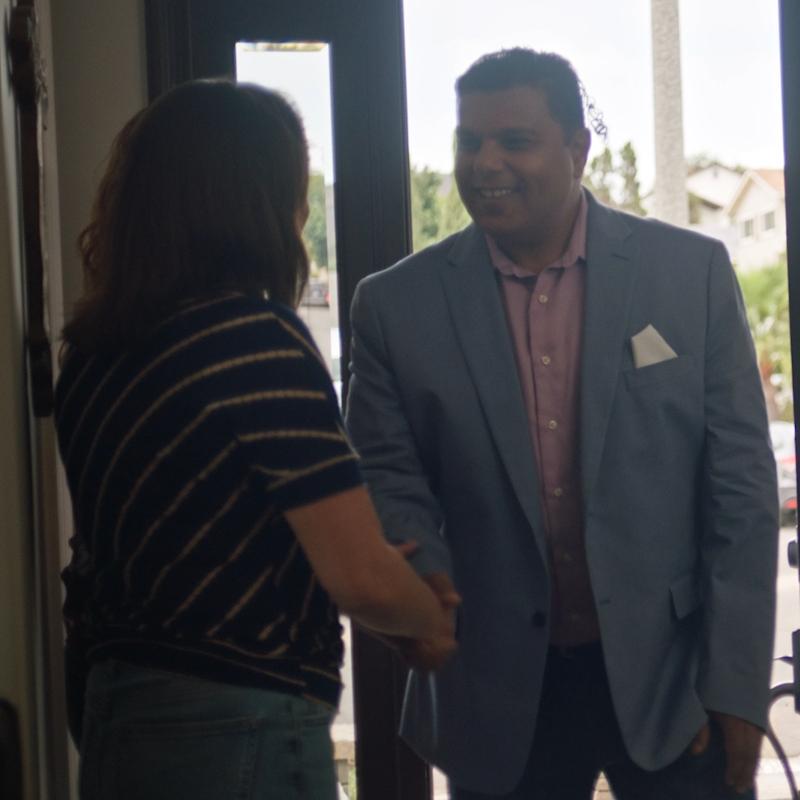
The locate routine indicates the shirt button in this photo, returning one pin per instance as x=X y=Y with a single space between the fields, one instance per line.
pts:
x=546 y=360
x=543 y=298
x=552 y=424
x=558 y=491
x=574 y=616
x=566 y=558
x=538 y=619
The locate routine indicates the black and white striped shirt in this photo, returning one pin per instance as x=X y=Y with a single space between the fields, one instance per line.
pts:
x=181 y=456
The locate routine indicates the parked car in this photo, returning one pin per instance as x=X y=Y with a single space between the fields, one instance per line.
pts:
x=782 y=435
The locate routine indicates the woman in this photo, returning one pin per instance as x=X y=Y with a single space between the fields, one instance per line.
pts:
x=219 y=510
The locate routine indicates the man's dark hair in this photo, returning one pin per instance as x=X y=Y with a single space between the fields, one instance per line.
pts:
x=202 y=194
x=519 y=66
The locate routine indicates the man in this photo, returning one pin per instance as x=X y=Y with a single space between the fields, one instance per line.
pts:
x=561 y=405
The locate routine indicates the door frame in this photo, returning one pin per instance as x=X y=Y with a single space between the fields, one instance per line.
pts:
x=189 y=39
x=195 y=38
x=790 y=79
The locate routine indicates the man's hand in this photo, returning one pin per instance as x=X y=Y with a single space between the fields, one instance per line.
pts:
x=443 y=588
x=431 y=653
x=742 y=747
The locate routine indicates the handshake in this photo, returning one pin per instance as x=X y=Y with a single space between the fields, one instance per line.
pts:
x=433 y=651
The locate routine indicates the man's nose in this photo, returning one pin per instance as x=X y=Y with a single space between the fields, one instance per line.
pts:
x=489 y=158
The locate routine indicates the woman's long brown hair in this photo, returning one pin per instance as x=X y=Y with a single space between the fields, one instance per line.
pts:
x=204 y=192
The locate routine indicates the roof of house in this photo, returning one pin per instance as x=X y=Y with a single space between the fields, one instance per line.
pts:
x=714 y=184
x=712 y=166
x=770 y=179
x=774 y=177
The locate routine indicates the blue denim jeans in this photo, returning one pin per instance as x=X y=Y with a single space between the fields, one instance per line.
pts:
x=153 y=735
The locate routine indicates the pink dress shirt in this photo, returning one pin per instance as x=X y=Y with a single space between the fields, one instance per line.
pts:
x=545 y=317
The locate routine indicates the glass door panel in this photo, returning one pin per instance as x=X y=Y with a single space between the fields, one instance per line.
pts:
x=727 y=131
x=198 y=38
x=301 y=71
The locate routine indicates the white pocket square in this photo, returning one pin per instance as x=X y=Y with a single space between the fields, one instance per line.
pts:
x=650 y=348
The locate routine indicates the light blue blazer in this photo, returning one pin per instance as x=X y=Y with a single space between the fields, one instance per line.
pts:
x=678 y=479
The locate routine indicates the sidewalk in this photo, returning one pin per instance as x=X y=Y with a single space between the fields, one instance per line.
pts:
x=770 y=780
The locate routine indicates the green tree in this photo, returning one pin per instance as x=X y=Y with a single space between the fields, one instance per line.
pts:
x=454 y=215
x=614 y=179
x=425 y=210
x=599 y=177
x=315 y=232
x=630 y=197
x=766 y=296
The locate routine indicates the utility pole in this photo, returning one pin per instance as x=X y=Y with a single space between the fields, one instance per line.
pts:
x=671 y=199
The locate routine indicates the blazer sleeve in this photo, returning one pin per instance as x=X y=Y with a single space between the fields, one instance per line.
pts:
x=739 y=514
x=382 y=434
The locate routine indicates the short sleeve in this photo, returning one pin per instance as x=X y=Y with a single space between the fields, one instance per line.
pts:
x=286 y=418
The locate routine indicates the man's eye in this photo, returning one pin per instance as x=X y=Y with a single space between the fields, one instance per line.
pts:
x=468 y=144
x=517 y=142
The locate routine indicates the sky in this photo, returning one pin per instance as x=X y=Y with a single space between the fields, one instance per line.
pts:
x=730 y=65
x=305 y=77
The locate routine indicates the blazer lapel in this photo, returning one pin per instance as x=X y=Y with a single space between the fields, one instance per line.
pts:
x=480 y=324
x=610 y=275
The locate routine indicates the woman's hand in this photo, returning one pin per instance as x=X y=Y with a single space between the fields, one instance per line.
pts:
x=369 y=579
x=430 y=653
x=434 y=652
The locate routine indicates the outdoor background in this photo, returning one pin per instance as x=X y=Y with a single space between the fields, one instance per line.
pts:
x=733 y=160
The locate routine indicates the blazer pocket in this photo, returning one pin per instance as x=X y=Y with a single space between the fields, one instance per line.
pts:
x=685 y=595
x=663 y=372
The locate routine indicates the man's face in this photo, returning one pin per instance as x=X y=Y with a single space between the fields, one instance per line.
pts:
x=517 y=172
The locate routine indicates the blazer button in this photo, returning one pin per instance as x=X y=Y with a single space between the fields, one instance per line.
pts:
x=538 y=619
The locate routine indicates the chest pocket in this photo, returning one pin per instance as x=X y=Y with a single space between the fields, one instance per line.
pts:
x=672 y=370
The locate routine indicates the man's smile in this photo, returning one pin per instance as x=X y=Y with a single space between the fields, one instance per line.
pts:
x=493 y=194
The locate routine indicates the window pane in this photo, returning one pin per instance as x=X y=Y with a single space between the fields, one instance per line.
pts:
x=769 y=221
x=301 y=70
x=732 y=162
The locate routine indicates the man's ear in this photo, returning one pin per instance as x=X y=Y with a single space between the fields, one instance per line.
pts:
x=579 y=145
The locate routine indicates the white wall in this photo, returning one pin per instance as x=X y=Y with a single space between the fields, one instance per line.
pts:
x=764 y=247
x=99 y=82
x=94 y=61
x=100 y=70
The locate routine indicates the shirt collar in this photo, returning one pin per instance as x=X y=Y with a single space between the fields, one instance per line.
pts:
x=574 y=253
